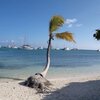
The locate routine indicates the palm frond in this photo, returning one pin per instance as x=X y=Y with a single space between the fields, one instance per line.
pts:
x=66 y=36
x=97 y=34
x=55 y=23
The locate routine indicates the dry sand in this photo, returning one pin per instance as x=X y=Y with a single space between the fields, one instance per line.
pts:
x=73 y=88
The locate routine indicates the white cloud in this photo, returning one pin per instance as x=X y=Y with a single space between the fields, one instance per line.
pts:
x=72 y=22
x=70 y=25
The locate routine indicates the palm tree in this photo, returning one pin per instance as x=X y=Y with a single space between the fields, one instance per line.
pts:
x=97 y=34
x=55 y=23
x=39 y=81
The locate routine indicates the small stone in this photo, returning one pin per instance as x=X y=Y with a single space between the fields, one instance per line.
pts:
x=13 y=87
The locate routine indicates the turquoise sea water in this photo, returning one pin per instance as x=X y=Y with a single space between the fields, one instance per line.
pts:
x=23 y=63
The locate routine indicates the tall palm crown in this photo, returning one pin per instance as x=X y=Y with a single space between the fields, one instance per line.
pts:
x=55 y=23
x=97 y=34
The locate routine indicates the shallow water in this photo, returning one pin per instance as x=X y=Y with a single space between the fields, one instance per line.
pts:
x=23 y=63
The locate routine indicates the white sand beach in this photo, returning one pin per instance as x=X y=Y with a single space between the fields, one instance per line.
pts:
x=73 y=88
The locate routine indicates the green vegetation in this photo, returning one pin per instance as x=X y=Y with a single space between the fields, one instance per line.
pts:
x=97 y=34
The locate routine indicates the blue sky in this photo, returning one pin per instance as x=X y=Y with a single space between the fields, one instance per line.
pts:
x=29 y=19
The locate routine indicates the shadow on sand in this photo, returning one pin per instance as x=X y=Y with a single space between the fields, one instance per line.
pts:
x=12 y=78
x=89 y=90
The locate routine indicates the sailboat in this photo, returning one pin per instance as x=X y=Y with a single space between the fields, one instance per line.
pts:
x=27 y=47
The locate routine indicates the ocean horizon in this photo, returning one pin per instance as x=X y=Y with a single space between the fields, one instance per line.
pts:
x=24 y=63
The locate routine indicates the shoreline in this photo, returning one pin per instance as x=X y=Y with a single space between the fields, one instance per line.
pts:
x=10 y=89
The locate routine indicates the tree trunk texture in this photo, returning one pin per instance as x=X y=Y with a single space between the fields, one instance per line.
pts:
x=45 y=70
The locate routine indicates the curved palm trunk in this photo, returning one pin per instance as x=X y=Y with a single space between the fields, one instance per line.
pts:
x=45 y=70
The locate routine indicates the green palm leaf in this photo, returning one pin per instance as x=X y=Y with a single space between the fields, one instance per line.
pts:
x=66 y=36
x=55 y=23
x=97 y=34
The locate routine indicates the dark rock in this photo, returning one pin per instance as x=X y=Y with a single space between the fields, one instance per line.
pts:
x=38 y=82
